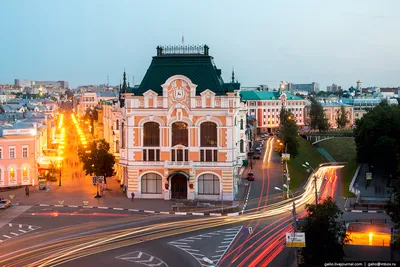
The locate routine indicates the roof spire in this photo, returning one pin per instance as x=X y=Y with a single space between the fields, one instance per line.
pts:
x=233 y=75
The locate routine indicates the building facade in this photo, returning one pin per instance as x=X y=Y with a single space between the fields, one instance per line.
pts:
x=265 y=108
x=308 y=87
x=182 y=130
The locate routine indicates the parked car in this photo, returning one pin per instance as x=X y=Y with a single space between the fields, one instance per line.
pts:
x=257 y=150
x=264 y=136
x=5 y=203
x=256 y=156
x=251 y=176
x=261 y=142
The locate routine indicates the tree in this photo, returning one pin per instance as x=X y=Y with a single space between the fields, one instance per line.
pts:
x=377 y=137
x=393 y=206
x=288 y=132
x=342 y=117
x=325 y=236
x=317 y=116
x=97 y=160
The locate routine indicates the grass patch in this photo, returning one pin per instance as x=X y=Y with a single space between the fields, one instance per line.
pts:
x=343 y=150
x=307 y=152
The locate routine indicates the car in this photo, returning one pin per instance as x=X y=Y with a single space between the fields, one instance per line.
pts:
x=256 y=156
x=257 y=150
x=251 y=176
x=261 y=142
x=5 y=203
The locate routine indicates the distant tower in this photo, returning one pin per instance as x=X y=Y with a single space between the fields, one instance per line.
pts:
x=359 y=85
x=233 y=75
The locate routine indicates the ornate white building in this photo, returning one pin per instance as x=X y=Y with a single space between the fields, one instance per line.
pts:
x=182 y=130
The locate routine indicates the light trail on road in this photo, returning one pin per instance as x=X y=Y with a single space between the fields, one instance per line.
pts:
x=53 y=253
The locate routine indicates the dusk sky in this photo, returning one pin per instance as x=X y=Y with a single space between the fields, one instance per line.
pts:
x=299 y=41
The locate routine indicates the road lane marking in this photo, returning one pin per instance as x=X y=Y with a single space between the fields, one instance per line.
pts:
x=118 y=209
x=20 y=226
x=164 y=212
x=191 y=249
x=13 y=233
x=6 y=236
x=72 y=206
x=198 y=213
x=133 y=210
x=103 y=208
x=239 y=230
x=44 y=205
x=149 y=211
x=22 y=231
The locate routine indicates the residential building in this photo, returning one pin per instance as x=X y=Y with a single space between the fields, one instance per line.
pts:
x=309 y=87
x=182 y=130
x=333 y=88
x=91 y=100
x=332 y=109
x=20 y=146
x=265 y=107
x=48 y=84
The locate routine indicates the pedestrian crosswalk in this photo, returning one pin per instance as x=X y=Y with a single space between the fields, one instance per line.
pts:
x=14 y=230
x=11 y=213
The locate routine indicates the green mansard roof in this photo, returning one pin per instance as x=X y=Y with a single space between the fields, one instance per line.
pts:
x=192 y=62
x=265 y=95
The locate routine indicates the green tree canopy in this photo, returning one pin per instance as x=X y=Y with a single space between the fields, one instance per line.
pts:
x=377 y=137
x=288 y=132
x=325 y=236
x=317 y=116
x=342 y=118
x=97 y=160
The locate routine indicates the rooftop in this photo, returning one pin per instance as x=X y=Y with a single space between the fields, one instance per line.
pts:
x=266 y=95
x=193 y=62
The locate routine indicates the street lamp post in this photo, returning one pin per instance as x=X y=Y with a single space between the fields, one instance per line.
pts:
x=296 y=257
x=308 y=166
x=59 y=180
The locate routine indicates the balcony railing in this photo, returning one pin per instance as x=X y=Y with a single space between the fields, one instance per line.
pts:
x=170 y=163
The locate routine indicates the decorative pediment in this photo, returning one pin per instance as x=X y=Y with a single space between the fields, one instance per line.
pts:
x=207 y=92
x=150 y=93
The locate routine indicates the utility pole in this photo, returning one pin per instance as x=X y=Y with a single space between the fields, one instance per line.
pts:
x=296 y=256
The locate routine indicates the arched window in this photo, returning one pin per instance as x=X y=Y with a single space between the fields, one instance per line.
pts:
x=117 y=125
x=2 y=183
x=208 y=132
x=180 y=134
x=151 y=136
x=241 y=124
x=208 y=184
x=122 y=135
x=117 y=146
x=151 y=183
x=241 y=146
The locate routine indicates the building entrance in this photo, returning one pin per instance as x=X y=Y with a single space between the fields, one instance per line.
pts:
x=179 y=186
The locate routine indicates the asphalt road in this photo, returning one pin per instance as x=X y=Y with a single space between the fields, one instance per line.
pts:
x=86 y=237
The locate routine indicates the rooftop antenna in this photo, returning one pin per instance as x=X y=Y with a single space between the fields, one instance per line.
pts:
x=183 y=39
x=108 y=81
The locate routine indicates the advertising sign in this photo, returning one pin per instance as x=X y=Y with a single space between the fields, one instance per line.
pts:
x=369 y=176
x=285 y=156
x=295 y=240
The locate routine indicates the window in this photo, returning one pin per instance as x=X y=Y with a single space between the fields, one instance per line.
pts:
x=25 y=152
x=180 y=155
x=122 y=135
x=180 y=134
x=117 y=146
x=208 y=132
x=241 y=146
x=151 y=135
x=12 y=152
x=151 y=154
x=208 y=184
x=241 y=124
x=117 y=125
x=151 y=183
x=12 y=174
x=25 y=173
x=209 y=155
x=1 y=153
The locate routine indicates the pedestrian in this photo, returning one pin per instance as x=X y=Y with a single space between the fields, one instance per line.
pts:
x=26 y=191
x=133 y=196
x=124 y=189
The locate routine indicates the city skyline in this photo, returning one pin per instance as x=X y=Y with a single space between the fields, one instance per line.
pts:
x=330 y=43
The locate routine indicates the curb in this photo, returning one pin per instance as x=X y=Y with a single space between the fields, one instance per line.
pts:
x=365 y=211
x=146 y=211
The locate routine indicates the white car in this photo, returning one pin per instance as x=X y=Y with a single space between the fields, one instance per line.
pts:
x=5 y=203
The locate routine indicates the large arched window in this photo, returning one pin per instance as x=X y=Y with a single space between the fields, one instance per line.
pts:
x=122 y=135
x=151 y=136
x=151 y=183
x=208 y=184
x=208 y=133
x=180 y=134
